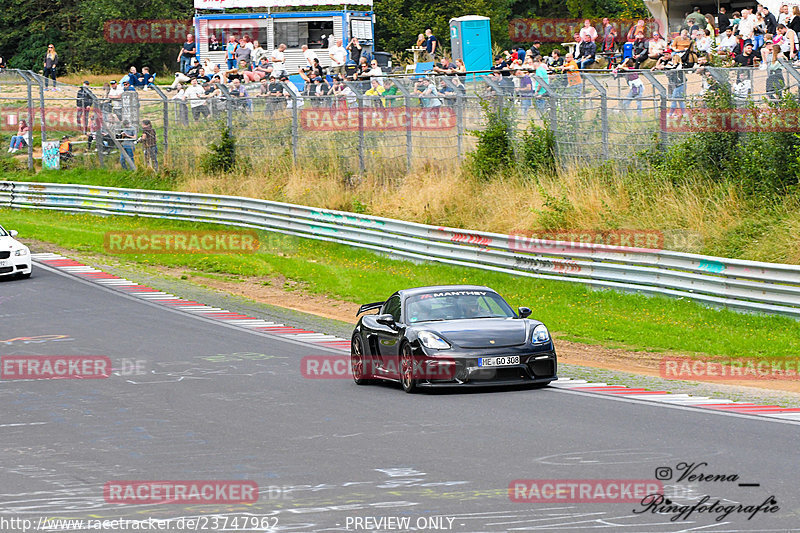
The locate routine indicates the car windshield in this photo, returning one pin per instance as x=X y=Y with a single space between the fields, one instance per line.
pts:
x=456 y=305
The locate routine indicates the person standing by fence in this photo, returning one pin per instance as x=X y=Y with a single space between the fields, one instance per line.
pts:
x=187 y=53
x=149 y=142
x=83 y=101
x=50 y=66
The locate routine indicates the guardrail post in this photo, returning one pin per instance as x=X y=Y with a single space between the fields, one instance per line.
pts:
x=295 y=126
x=460 y=99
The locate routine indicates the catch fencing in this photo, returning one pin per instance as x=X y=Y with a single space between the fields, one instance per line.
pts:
x=594 y=115
x=742 y=285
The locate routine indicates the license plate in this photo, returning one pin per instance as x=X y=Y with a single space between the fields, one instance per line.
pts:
x=5 y=263
x=499 y=361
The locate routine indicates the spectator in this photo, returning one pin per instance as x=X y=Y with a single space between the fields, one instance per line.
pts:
x=656 y=46
x=248 y=42
x=145 y=79
x=431 y=46
x=574 y=81
x=150 y=144
x=127 y=86
x=555 y=59
x=640 y=50
x=747 y=58
x=391 y=94
x=586 y=52
x=230 y=52
x=244 y=55
x=338 y=56
x=747 y=27
x=65 y=151
x=180 y=100
x=213 y=44
x=609 y=36
x=539 y=92
x=234 y=74
x=704 y=43
x=524 y=88
x=770 y=23
x=420 y=41
x=240 y=96
x=309 y=55
x=536 y=49
x=258 y=53
x=375 y=90
x=743 y=86
x=783 y=15
x=711 y=28
x=722 y=20
x=293 y=95
x=130 y=77
x=682 y=41
x=185 y=77
x=83 y=103
x=588 y=30
x=115 y=97
x=374 y=72
x=676 y=79
x=196 y=96
x=22 y=138
x=50 y=66
x=521 y=53
x=728 y=42
x=128 y=137
x=794 y=23
x=775 y=80
x=361 y=70
x=354 y=49
x=274 y=95
x=635 y=85
x=634 y=31
x=788 y=44
x=187 y=53
x=445 y=67
x=696 y=18
x=316 y=69
x=261 y=72
x=428 y=95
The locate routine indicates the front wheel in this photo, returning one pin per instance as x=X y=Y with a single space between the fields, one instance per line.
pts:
x=407 y=369
x=360 y=370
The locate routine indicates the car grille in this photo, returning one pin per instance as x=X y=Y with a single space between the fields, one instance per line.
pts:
x=5 y=255
x=21 y=267
x=542 y=368
x=6 y=270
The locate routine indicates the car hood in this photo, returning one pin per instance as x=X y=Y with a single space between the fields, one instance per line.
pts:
x=480 y=332
x=10 y=243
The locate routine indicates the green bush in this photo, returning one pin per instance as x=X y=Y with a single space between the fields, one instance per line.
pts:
x=538 y=148
x=494 y=151
x=221 y=156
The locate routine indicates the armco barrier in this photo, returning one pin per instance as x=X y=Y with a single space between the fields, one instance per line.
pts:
x=743 y=285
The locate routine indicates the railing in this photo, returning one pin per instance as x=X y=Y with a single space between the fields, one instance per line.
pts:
x=743 y=285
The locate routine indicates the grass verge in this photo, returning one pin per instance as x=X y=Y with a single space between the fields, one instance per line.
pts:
x=573 y=312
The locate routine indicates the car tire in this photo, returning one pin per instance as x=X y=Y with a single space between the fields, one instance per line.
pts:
x=407 y=369
x=357 y=362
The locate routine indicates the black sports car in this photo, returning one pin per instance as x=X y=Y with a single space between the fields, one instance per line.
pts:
x=451 y=335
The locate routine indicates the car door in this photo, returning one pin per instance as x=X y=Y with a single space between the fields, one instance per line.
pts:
x=389 y=338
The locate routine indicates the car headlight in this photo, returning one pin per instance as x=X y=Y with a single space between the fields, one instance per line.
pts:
x=21 y=251
x=540 y=334
x=432 y=340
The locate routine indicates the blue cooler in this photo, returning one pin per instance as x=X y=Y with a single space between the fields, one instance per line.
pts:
x=627 y=50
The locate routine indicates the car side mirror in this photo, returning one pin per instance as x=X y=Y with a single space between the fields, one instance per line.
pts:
x=386 y=320
x=524 y=312
x=13 y=232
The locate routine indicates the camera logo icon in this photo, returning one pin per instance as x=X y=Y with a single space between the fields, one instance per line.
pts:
x=663 y=473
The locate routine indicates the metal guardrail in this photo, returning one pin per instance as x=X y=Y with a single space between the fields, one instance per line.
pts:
x=743 y=285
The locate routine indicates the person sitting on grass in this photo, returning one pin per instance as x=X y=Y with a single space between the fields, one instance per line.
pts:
x=21 y=138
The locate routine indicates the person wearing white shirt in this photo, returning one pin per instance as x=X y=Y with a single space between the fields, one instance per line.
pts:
x=278 y=61
x=727 y=41
x=374 y=72
x=747 y=24
x=258 y=53
x=310 y=55
x=784 y=17
x=196 y=96
x=338 y=57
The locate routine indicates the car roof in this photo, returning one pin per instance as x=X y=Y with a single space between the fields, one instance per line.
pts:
x=405 y=293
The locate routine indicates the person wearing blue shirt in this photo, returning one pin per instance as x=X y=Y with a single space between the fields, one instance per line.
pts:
x=230 y=52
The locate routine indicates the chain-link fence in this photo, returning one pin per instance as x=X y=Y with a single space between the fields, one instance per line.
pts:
x=392 y=122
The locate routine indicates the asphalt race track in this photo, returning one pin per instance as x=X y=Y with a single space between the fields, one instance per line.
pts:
x=193 y=399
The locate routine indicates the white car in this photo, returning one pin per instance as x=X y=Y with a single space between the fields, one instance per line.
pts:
x=15 y=257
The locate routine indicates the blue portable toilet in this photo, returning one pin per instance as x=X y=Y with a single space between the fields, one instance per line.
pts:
x=471 y=41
